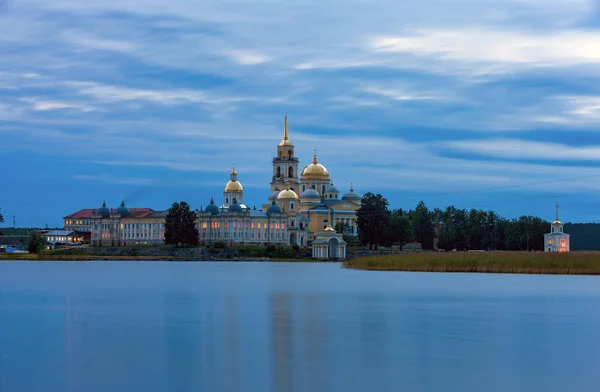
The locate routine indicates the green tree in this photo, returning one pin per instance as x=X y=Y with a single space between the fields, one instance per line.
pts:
x=447 y=233
x=400 y=230
x=343 y=228
x=36 y=242
x=373 y=220
x=422 y=226
x=180 y=226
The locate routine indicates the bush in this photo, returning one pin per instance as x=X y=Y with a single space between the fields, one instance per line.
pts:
x=219 y=245
x=295 y=248
x=36 y=242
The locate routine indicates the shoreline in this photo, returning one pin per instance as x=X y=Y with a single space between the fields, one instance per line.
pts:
x=45 y=257
x=533 y=263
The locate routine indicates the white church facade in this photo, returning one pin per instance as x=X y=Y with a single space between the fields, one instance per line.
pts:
x=557 y=240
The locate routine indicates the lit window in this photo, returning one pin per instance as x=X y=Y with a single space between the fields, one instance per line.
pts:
x=550 y=242
x=204 y=225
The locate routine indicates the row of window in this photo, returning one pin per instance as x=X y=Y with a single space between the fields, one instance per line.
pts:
x=243 y=225
x=78 y=222
x=241 y=235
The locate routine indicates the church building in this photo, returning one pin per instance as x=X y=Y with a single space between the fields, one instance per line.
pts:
x=557 y=240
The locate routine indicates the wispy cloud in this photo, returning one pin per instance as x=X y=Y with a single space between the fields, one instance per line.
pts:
x=111 y=93
x=245 y=57
x=82 y=41
x=525 y=149
x=496 y=46
x=45 y=105
x=115 y=179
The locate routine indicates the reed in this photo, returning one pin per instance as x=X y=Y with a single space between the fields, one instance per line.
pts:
x=573 y=263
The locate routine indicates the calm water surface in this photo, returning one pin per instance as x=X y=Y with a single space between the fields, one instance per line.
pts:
x=145 y=326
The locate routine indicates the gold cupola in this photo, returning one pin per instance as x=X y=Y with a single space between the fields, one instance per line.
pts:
x=233 y=185
x=285 y=141
x=315 y=169
x=287 y=193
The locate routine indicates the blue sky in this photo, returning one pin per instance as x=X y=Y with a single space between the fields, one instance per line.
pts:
x=484 y=104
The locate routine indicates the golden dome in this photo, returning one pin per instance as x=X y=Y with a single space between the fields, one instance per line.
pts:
x=285 y=141
x=234 y=186
x=315 y=169
x=287 y=193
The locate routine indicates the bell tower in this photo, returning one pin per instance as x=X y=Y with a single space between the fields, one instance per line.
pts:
x=285 y=164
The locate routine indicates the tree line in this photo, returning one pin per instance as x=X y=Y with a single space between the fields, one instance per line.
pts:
x=459 y=229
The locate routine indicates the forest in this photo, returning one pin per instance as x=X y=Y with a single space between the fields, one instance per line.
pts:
x=460 y=229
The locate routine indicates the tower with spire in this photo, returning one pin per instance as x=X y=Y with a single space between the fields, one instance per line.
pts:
x=285 y=164
x=557 y=240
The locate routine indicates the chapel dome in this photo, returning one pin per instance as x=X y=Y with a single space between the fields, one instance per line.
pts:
x=351 y=195
x=235 y=207
x=233 y=185
x=310 y=193
x=331 y=189
x=103 y=211
x=274 y=195
x=315 y=169
x=122 y=210
x=273 y=208
x=287 y=193
x=212 y=208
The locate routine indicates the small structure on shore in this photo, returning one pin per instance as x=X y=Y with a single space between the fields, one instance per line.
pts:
x=328 y=244
x=557 y=240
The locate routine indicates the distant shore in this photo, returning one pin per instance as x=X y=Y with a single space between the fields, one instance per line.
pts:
x=46 y=257
x=573 y=263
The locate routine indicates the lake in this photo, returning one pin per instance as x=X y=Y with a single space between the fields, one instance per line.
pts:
x=168 y=326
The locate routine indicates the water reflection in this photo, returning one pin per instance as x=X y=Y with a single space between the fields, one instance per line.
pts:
x=238 y=327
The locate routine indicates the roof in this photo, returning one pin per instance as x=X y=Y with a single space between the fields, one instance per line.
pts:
x=62 y=233
x=86 y=213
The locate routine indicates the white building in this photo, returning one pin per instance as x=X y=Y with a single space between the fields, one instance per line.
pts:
x=557 y=240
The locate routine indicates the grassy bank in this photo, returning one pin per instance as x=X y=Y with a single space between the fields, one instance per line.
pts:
x=575 y=263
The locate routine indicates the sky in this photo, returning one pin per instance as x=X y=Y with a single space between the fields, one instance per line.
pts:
x=479 y=104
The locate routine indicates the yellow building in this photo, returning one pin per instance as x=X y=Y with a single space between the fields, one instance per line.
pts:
x=300 y=205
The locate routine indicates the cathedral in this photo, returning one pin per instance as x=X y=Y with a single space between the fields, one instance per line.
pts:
x=303 y=207
x=300 y=205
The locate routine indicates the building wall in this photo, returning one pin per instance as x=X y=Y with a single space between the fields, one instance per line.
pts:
x=557 y=242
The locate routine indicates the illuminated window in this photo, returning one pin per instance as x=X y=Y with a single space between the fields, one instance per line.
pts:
x=252 y=225
x=204 y=225
x=562 y=242
x=550 y=242
x=258 y=225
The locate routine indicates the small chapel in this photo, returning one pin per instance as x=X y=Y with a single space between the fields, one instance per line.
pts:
x=557 y=240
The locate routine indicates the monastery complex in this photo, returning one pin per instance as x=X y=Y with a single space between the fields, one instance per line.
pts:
x=302 y=209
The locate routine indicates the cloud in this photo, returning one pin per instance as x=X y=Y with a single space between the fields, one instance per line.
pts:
x=525 y=149
x=115 y=179
x=399 y=94
x=243 y=57
x=82 y=41
x=45 y=105
x=111 y=93
x=496 y=46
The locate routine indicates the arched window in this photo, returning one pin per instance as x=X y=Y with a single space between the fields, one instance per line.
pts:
x=330 y=196
x=323 y=189
x=290 y=172
x=226 y=200
x=291 y=205
x=303 y=188
x=278 y=172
